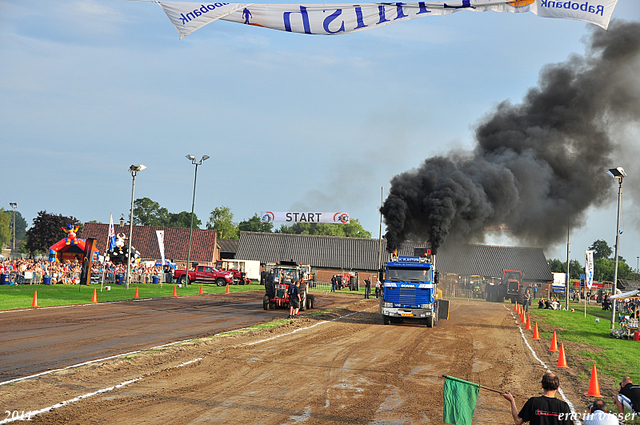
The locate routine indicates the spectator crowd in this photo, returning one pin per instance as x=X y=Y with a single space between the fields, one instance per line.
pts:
x=29 y=271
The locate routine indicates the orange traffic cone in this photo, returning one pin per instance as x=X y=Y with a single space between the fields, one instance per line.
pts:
x=35 y=299
x=227 y=291
x=536 y=335
x=175 y=294
x=94 y=298
x=515 y=308
x=523 y=317
x=554 y=342
x=135 y=296
x=562 y=360
x=594 y=387
x=201 y=289
x=528 y=328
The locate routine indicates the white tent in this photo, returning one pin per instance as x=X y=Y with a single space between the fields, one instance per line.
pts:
x=634 y=293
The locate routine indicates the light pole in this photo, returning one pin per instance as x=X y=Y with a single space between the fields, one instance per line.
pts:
x=14 y=205
x=133 y=170
x=193 y=202
x=617 y=173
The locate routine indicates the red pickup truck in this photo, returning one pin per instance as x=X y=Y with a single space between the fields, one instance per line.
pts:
x=205 y=274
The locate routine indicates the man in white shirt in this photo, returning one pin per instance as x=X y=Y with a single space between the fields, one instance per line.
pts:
x=599 y=415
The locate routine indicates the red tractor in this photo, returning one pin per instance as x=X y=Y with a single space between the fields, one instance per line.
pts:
x=510 y=287
x=279 y=277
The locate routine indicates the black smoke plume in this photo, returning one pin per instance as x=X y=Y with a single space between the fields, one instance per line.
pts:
x=537 y=164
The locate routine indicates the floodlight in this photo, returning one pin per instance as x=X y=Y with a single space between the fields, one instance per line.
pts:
x=205 y=157
x=190 y=157
x=136 y=168
x=617 y=172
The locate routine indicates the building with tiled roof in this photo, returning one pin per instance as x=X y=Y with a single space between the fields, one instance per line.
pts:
x=359 y=254
x=204 y=248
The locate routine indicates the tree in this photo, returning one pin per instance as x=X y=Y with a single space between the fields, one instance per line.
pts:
x=604 y=269
x=575 y=268
x=221 y=220
x=601 y=249
x=352 y=230
x=5 y=230
x=254 y=224
x=46 y=231
x=183 y=219
x=149 y=213
x=21 y=224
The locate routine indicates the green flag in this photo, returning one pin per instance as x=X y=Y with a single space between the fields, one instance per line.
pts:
x=459 y=401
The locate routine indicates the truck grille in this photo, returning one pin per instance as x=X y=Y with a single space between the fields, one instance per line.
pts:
x=408 y=296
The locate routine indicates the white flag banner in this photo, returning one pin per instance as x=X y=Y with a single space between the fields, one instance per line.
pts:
x=347 y=18
x=160 y=235
x=305 y=217
x=588 y=268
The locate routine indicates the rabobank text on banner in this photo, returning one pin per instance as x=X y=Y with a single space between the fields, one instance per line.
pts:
x=305 y=217
x=329 y=19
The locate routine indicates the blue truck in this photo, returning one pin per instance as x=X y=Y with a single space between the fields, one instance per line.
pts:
x=410 y=292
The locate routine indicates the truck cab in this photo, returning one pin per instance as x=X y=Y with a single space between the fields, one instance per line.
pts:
x=409 y=291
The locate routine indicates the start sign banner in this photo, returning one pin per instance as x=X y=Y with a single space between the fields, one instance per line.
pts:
x=305 y=217
x=331 y=19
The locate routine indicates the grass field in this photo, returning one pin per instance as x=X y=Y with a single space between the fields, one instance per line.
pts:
x=21 y=296
x=613 y=357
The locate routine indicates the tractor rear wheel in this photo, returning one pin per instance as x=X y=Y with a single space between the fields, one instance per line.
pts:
x=265 y=302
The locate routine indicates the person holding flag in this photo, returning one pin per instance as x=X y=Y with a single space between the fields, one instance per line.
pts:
x=543 y=410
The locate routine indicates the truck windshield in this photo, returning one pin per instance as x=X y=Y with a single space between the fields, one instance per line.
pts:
x=512 y=275
x=407 y=274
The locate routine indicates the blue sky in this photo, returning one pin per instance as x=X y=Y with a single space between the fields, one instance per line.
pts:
x=291 y=121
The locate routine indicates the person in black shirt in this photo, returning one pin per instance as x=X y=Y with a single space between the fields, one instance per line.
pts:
x=628 y=396
x=294 y=299
x=367 y=288
x=544 y=410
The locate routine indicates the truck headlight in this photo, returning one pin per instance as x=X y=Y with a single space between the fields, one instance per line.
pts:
x=388 y=305
x=427 y=305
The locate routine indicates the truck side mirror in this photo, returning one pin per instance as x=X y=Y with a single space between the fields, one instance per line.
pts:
x=436 y=277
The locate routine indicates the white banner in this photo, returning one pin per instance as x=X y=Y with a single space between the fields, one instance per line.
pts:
x=588 y=268
x=347 y=18
x=160 y=235
x=305 y=217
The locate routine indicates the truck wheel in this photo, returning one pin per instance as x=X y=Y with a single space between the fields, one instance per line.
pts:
x=265 y=302
x=220 y=281
x=181 y=280
x=429 y=322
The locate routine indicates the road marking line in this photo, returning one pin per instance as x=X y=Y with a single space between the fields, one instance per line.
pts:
x=64 y=403
x=564 y=397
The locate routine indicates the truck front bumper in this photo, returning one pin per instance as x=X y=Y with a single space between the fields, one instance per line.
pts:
x=407 y=312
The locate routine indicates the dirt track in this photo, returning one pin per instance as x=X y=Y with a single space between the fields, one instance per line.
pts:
x=340 y=367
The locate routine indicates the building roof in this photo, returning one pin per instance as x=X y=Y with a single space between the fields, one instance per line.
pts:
x=490 y=261
x=333 y=252
x=228 y=245
x=628 y=285
x=176 y=241
x=319 y=251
